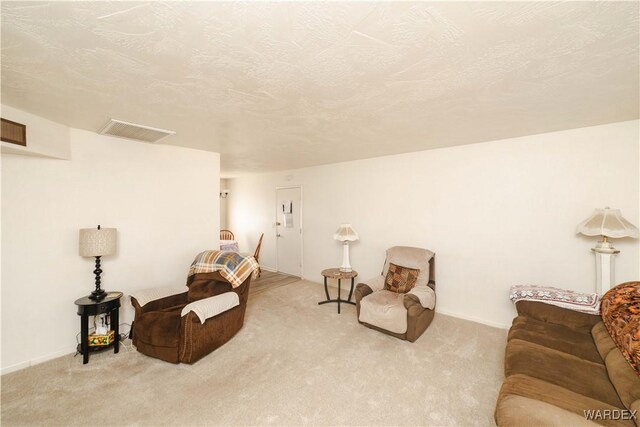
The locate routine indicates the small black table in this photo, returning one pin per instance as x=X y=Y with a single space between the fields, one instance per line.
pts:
x=88 y=307
x=335 y=273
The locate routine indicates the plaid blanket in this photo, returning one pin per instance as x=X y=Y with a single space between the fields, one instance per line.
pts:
x=231 y=265
x=585 y=303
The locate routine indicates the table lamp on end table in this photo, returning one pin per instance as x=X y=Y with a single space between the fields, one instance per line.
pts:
x=345 y=234
x=97 y=242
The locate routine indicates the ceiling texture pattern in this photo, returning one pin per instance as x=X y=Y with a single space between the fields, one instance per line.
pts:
x=273 y=85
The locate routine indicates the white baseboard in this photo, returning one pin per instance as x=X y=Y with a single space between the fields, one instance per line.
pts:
x=36 y=361
x=473 y=319
x=267 y=268
x=16 y=367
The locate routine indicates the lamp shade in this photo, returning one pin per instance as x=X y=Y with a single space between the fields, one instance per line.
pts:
x=97 y=241
x=607 y=222
x=346 y=233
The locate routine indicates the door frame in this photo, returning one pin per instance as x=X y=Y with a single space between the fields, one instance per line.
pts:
x=286 y=187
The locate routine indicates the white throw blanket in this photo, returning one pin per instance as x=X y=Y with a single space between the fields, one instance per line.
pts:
x=376 y=284
x=212 y=306
x=145 y=296
x=578 y=301
x=425 y=294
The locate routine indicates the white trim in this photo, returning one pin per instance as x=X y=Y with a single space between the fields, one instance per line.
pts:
x=16 y=367
x=36 y=361
x=472 y=319
x=301 y=226
x=266 y=268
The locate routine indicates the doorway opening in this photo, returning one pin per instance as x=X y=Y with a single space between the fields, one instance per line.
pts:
x=289 y=230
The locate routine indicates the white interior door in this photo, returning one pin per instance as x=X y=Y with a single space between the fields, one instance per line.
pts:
x=289 y=230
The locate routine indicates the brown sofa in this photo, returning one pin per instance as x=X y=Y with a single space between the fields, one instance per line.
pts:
x=560 y=363
x=160 y=331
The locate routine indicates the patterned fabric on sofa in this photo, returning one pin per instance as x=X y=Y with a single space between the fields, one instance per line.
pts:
x=621 y=316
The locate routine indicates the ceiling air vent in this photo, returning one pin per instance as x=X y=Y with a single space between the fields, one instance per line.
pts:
x=133 y=131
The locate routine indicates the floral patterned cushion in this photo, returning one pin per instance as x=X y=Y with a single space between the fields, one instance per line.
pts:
x=400 y=279
x=621 y=316
x=585 y=303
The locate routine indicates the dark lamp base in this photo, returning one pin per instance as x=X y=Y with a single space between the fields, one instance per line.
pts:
x=98 y=295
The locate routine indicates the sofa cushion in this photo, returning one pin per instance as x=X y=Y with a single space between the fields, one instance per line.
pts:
x=581 y=376
x=576 y=342
x=206 y=285
x=386 y=310
x=513 y=410
x=525 y=400
x=635 y=407
x=621 y=316
x=400 y=279
x=602 y=339
x=623 y=377
x=558 y=315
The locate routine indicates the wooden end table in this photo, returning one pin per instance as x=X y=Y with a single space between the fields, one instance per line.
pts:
x=335 y=273
x=88 y=307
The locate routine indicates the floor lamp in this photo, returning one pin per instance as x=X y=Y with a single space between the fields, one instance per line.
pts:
x=607 y=223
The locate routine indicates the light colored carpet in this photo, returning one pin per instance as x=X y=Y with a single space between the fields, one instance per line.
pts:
x=293 y=363
x=269 y=280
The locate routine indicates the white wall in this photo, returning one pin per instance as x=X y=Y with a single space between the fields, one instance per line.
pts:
x=153 y=194
x=496 y=214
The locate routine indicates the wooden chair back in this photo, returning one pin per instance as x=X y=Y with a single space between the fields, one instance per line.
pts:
x=226 y=235
x=256 y=254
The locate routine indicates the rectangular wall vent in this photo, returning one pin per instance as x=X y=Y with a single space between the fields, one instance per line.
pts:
x=133 y=131
x=15 y=133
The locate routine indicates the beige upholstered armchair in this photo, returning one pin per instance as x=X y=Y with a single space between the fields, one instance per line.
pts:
x=401 y=302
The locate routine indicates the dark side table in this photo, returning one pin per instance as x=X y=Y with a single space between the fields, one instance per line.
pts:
x=88 y=307
x=335 y=273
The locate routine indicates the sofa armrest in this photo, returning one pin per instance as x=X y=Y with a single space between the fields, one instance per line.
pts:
x=561 y=316
x=425 y=295
x=412 y=304
x=153 y=299
x=375 y=283
x=361 y=291
x=418 y=317
x=207 y=308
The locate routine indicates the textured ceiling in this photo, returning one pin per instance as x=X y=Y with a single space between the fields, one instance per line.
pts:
x=277 y=85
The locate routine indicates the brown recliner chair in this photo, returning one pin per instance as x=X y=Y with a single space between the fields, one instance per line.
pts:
x=171 y=327
x=404 y=315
